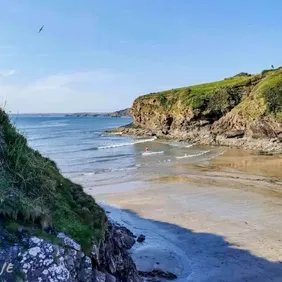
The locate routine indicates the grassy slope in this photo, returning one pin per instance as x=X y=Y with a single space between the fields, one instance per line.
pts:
x=224 y=95
x=34 y=193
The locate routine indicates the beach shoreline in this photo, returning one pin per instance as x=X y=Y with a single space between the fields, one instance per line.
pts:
x=213 y=221
x=205 y=137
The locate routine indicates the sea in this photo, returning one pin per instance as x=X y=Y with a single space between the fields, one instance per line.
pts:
x=104 y=162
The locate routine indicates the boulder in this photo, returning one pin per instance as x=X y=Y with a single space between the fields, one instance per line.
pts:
x=141 y=238
x=235 y=134
x=158 y=273
x=37 y=259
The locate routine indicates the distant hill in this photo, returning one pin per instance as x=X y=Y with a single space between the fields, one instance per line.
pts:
x=120 y=113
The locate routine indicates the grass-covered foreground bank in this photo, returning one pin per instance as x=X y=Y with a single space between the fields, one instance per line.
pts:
x=35 y=196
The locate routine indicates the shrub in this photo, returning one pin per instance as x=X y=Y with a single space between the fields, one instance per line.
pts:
x=273 y=97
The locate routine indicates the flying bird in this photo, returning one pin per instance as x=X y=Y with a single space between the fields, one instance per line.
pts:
x=41 y=29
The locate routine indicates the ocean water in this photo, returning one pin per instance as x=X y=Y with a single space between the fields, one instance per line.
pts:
x=97 y=160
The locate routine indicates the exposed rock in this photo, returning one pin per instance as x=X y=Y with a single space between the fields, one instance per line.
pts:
x=158 y=273
x=141 y=238
x=35 y=259
x=110 y=278
x=69 y=242
x=242 y=111
x=98 y=276
x=114 y=258
x=233 y=134
x=262 y=128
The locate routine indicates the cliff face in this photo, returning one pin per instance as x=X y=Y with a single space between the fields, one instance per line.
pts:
x=50 y=230
x=244 y=106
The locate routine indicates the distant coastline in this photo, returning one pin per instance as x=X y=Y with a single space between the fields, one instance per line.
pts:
x=120 y=113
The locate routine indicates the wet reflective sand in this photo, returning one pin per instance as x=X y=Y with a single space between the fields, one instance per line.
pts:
x=217 y=220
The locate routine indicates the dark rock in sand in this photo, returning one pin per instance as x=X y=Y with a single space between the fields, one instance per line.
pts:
x=158 y=273
x=141 y=238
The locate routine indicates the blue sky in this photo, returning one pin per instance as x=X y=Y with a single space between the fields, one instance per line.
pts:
x=99 y=55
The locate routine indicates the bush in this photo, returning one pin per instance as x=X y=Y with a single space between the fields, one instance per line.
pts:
x=223 y=100
x=273 y=97
x=163 y=100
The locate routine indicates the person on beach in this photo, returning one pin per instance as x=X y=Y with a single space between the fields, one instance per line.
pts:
x=146 y=149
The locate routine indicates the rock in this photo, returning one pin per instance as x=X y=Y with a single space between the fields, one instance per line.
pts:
x=86 y=271
x=233 y=134
x=204 y=122
x=264 y=153
x=69 y=242
x=40 y=260
x=114 y=257
x=95 y=256
x=141 y=238
x=98 y=276
x=110 y=278
x=158 y=273
x=262 y=128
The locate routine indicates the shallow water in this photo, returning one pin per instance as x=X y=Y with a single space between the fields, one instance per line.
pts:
x=87 y=155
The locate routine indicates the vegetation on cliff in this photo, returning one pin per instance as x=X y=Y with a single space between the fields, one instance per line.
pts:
x=252 y=103
x=35 y=195
x=202 y=96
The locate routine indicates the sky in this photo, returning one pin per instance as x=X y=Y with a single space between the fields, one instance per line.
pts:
x=99 y=55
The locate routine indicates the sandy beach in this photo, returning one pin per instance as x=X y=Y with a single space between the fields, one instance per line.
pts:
x=217 y=220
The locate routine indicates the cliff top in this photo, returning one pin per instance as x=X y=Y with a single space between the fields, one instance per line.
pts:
x=254 y=95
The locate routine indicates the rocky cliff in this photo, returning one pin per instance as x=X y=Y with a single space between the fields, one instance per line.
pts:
x=243 y=110
x=50 y=230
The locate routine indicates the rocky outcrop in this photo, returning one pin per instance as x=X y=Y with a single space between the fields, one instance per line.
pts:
x=113 y=256
x=31 y=258
x=244 y=110
x=157 y=274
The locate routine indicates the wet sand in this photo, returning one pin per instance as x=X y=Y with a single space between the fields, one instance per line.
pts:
x=218 y=220
x=249 y=162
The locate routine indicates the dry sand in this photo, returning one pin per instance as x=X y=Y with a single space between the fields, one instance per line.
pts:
x=215 y=221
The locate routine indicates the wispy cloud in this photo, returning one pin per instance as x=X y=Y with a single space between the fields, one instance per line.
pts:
x=7 y=72
x=99 y=90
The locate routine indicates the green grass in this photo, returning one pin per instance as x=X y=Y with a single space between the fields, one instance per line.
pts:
x=250 y=95
x=265 y=98
x=271 y=90
x=196 y=96
x=33 y=191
